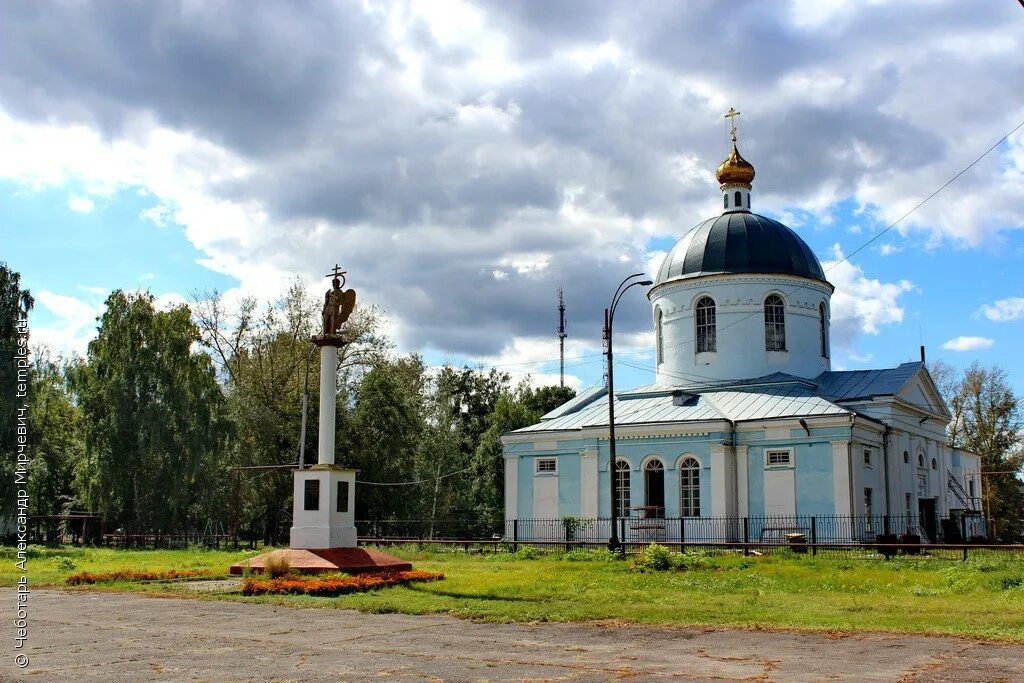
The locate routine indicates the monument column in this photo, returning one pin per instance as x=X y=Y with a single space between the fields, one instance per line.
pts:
x=328 y=402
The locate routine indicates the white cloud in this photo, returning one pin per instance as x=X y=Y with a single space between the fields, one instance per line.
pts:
x=860 y=304
x=81 y=204
x=968 y=343
x=889 y=249
x=1005 y=310
x=73 y=324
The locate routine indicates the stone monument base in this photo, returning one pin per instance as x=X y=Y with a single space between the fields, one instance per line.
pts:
x=310 y=561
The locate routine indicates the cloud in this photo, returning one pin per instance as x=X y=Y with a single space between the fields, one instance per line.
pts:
x=81 y=204
x=467 y=160
x=968 y=343
x=73 y=322
x=1005 y=310
x=860 y=304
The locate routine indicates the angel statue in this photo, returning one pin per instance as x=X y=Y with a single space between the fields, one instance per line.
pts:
x=338 y=305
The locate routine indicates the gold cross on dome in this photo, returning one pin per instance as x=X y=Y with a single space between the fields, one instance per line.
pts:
x=731 y=115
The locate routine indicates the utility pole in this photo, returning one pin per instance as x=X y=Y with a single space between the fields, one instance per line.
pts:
x=561 y=339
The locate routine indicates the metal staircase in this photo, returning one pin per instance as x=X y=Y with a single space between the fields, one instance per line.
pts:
x=969 y=503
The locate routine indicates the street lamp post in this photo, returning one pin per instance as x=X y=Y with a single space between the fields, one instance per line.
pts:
x=614 y=543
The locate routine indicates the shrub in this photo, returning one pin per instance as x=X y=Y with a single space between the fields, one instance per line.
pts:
x=527 y=552
x=276 y=567
x=133 y=575
x=65 y=563
x=333 y=586
x=657 y=558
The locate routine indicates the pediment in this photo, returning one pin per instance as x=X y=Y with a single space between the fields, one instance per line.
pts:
x=921 y=391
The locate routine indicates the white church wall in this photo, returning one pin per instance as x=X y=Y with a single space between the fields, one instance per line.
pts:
x=740 y=328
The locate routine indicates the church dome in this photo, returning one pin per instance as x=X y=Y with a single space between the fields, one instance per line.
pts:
x=735 y=170
x=739 y=242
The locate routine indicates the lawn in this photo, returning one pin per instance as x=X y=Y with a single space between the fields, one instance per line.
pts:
x=983 y=597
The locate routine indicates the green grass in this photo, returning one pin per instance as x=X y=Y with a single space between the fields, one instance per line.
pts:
x=982 y=598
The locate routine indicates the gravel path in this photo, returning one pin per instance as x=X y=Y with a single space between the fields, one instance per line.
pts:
x=92 y=636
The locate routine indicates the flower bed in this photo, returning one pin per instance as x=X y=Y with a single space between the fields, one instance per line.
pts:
x=134 y=575
x=332 y=586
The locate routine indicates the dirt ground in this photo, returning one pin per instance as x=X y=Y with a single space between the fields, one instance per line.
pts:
x=93 y=636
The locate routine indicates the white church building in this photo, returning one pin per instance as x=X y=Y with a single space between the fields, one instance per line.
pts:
x=747 y=430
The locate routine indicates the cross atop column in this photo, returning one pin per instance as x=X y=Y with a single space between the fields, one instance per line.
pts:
x=337 y=273
x=731 y=115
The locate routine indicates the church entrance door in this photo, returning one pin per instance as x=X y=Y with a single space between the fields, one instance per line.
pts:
x=654 y=486
x=928 y=523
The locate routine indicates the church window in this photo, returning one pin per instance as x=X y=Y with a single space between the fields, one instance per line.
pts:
x=654 y=488
x=934 y=464
x=774 y=323
x=622 y=488
x=867 y=503
x=920 y=459
x=970 y=488
x=739 y=200
x=689 y=488
x=867 y=458
x=779 y=458
x=659 y=345
x=822 y=332
x=705 y=318
x=725 y=201
x=906 y=458
x=547 y=466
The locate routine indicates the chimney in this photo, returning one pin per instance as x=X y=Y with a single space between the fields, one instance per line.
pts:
x=922 y=353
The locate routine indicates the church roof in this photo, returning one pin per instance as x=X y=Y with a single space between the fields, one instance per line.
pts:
x=739 y=242
x=762 y=398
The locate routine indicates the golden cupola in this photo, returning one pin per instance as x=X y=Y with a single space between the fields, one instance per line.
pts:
x=735 y=170
x=735 y=174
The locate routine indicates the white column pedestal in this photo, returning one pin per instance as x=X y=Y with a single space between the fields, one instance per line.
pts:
x=328 y=402
x=326 y=517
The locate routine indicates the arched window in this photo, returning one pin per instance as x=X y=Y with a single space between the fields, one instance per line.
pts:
x=659 y=343
x=705 y=320
x=920 y=459
x=622 y=488
x=774 y=323
x=934 y=464
x=654 y=488
x=739 y=200
x=689 y=488
x=822 y=331
x=725 y=201
x=906 y=458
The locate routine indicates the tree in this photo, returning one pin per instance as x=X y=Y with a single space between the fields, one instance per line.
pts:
x=156 y=431
x=388 y=423
x=15 y=304
x=987 y=420
x=57 y=450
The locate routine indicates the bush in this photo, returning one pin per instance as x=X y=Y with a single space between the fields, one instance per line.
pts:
x=277 y=566
x=334 y=586
x=65 y=563
x=133 y=575
x=527 y=552
x=658 y=558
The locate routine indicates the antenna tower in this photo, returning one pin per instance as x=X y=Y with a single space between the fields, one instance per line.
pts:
x=561 y=339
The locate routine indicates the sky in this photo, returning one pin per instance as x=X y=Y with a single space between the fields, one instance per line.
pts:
x=464 y=160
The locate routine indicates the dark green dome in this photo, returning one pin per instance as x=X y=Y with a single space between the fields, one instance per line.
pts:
x=740 y=242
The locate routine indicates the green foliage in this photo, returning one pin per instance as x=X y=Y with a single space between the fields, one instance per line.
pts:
x=65 y=563
x=15 y=304
x=657 y=558
x=590 y=555
x=156 y=429
x=988 y=419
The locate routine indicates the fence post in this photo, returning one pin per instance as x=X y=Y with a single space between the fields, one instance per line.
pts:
x=746 y=536
x=963 y=534
x=682 y=534
x=622 y=536
x=814 y=536
x=515 y=535
x=885 y=523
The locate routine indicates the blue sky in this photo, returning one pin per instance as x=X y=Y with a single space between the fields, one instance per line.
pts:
x=465 y=160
